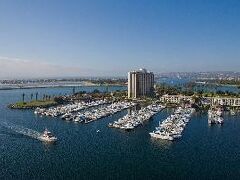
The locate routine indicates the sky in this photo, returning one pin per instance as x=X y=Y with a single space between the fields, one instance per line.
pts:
x=51 y=38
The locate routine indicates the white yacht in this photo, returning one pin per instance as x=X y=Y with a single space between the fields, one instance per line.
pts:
x=47 y=136
x=128 y=126
x=232 y=112
x=220 y=120
x=160 y=135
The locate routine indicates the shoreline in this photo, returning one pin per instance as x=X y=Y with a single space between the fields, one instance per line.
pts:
x=59 y=86
x=217 y=84
x=33 y=104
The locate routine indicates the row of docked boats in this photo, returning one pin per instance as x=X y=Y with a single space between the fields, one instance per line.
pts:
x=68 y=108
x=172 y=127
x=97 y=113
x=215 y=116
x=136 y=118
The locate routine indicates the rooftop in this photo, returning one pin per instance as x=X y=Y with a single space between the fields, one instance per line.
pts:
x=141 y=70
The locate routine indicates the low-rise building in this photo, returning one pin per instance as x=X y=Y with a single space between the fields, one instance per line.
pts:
x=224 y=101
x=175 y=98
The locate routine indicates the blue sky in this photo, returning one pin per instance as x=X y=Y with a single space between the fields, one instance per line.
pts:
x=111 y=37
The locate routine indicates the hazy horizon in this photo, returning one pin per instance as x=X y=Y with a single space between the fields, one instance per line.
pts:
x=109 y=38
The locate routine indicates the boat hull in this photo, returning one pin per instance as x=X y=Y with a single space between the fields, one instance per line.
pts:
x=159 y=136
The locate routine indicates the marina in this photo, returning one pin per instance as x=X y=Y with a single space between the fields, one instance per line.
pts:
x=120 y=90
x=78 y=112
x=95 y=114
x=136 y=118
x=172 y=127
x=98 y=147
x=68 y=108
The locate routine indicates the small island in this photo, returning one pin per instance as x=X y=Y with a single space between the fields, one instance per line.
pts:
x=33 y=104
x=49 y=101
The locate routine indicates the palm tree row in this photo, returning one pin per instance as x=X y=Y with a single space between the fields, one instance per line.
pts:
x=45 y=96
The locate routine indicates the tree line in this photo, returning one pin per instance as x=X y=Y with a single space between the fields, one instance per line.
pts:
x=35 y=96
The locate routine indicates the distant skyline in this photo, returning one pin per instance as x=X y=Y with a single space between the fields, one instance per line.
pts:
x=61 y=38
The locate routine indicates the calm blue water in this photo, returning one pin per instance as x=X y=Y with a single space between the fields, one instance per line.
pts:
x=215 y=88
x=203 y=152
x=174 y=81
x=200 y=87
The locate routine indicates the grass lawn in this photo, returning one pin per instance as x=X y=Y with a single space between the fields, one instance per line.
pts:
x=34 y=104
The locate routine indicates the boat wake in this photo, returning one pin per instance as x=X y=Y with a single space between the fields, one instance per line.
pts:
x=22 y=130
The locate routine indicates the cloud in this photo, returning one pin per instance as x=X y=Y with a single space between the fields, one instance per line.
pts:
x=22 y=68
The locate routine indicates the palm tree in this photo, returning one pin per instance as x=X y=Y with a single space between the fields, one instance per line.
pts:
x=36 y=96
x=23 y=97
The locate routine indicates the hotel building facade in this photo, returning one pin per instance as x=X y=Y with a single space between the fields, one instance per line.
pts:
x=140 y=83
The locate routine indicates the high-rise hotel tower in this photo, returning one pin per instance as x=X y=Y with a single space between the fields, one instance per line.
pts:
x=140 y=83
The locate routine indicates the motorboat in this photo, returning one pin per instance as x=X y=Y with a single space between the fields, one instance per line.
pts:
x=47 y=136
x=233 y=113
x=160 y=135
